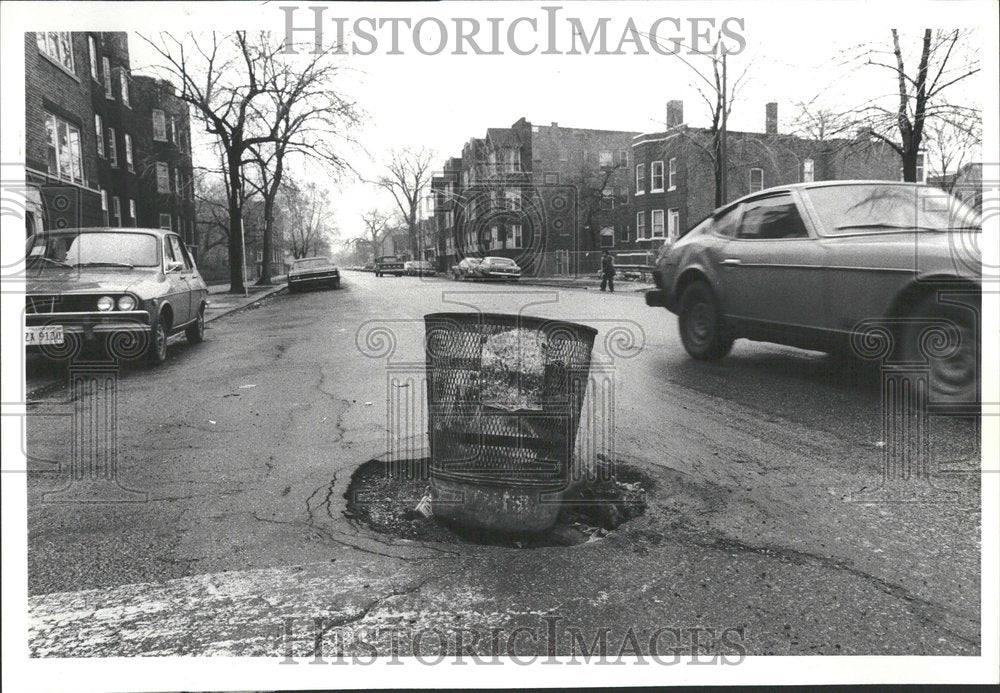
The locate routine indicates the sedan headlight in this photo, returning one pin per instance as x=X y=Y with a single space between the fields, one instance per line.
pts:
x=126 y=303
x=105 y=303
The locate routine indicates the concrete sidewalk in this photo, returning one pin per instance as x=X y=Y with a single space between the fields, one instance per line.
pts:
x=221 y=302
x=587 y=283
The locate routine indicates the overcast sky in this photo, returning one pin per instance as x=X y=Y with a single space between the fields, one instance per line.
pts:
x=795 y=51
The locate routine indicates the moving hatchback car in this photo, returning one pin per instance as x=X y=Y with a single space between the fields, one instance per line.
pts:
x=126 y=290
x=497 y=268
x=818 y=265
x=388 y=264
x=418 y=268
x=312 y=271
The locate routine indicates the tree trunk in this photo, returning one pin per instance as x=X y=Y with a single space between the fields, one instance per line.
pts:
x=270 y=194
x=237 y=279
x=719 y=167
x=909 y=163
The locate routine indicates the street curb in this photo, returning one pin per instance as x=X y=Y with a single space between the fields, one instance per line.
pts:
x=262 y=296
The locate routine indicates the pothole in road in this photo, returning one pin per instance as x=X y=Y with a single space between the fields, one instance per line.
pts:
x=384 y=496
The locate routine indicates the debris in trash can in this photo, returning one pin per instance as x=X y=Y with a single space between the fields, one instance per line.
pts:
x=513 y=366
x=424 y=506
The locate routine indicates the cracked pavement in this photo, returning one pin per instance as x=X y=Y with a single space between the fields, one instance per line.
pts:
x=245 y=446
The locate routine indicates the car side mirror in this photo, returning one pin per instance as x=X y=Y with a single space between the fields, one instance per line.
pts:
x=174 y=266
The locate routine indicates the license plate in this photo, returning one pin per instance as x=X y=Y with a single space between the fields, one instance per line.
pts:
x=48 y=334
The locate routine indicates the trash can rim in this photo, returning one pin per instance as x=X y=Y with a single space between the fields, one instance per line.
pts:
x=529 y=321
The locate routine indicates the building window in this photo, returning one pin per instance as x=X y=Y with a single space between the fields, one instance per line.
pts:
x=58 y=45
x=921 y=171
x=106 y=69
x=65 y=159
x=112 y=148
x=128 y=152
x=552 y=179
x=657 y=223
x=162 y=177
x=92 y=50
x=131 y=212
x=606 y=158
x=513 y=198
x=673 y=223
x=514 y=239
x=608 y=237
x=640 y=225
x=99 y=129
x=166 y=222
x=656 y=176
x=623 y=234
x=756 y=179
x=495 y=237
x=607 y=199
x=623 y=157
x=159 y=126
x=808 y=175
x=640 y=179
x=123 y=82
x=116 y=206
x=672 y=173
x=173 y=129
x=177 y=179
x=104 y=205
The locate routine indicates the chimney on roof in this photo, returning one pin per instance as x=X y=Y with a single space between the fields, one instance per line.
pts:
x=555 y=124
x=675 y=113
x=771 y=118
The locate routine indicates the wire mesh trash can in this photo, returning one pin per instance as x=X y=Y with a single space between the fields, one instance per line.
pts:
x=504 y=398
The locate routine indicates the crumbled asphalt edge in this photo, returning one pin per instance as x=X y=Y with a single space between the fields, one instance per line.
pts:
x=600 y=505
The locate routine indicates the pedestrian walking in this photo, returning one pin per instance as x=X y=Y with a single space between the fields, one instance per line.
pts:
x=607 y=272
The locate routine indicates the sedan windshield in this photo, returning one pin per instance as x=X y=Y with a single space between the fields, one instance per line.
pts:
x=852 y=209
x=96 y=248
x=310 y=263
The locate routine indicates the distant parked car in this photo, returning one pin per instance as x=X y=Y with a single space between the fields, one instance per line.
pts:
x=465 y=269
x=497 y=268
x=388 y=264
x=311 y=272
x=808 y=264
x=418 y=268
x=126 y=289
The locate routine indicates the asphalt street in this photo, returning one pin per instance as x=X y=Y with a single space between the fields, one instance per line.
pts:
x=239 y=451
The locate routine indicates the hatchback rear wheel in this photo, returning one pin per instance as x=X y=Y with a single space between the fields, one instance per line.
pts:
x=195 y=332
x=703 y=331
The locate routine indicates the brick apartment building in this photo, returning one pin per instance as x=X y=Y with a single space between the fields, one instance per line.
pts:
x=674 y=174
x=86 y=142
x=541 y=195
x=164 y=167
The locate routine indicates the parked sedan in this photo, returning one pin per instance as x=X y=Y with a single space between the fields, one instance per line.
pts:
x=311 y=272
x=497 y=268
x=124 y=289
x=815 y=265
x=418 y=268
x=465 y=269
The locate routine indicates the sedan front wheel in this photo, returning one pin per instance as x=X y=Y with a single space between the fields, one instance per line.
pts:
x=156 y=351
x=703 y=331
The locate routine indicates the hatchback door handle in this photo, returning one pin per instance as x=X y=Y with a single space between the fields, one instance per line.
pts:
x=730 y=261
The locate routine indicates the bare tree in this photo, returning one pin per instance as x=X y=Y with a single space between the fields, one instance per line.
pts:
x=306 y=211
x=596 y=190
x=944 y=60
x=376 y=228
x=312 y=120
x=408 y=172
x=247 y=93
x=953 y=143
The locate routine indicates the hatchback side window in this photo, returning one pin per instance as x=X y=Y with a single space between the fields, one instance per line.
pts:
x=725 y=225
x=772 y=218
x=168 y=250
x=179 y=253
